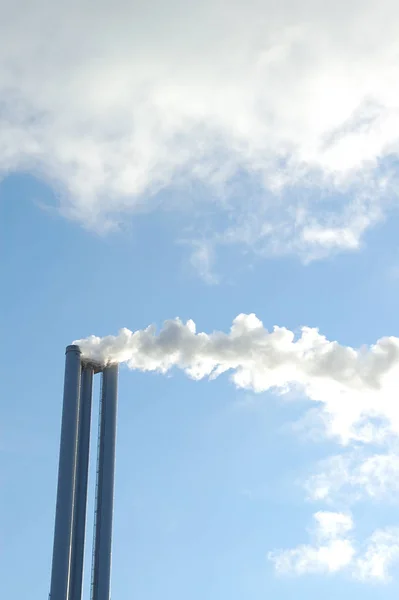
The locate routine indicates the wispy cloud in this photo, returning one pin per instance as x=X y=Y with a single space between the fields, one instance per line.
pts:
x=114 y=104
x=333 y=550
x=355 y=476
x=202 y=261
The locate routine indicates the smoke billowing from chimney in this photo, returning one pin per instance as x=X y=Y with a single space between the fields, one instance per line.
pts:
x=259 y=359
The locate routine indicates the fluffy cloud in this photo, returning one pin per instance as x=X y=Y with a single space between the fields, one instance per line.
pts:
x=114 y=102
x=381 y=553
x=334 y=550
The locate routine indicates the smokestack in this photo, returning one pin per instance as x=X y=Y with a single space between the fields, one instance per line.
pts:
x=70 y=519
x=63 y=531
x=101 y=578
x=82 y=467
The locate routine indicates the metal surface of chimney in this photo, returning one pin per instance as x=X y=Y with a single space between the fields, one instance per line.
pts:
x=82 y=468
x=102 y=554
x=63 y=531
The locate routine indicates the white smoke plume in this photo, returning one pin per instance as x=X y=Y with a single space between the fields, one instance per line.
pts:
x=355 y=387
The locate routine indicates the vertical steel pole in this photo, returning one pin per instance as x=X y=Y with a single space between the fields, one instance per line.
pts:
x=63 y=531
x=101 y=582
x=82 y=467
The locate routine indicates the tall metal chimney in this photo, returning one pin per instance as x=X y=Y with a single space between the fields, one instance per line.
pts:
x=101 y=578
x=63 y=532
x=82 y=472
x=70 y=518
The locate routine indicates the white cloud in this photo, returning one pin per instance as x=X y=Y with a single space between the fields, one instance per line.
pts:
x=115 y=102
x=331 y=525
x=354 y=476
x=334 y=550
x=356 y=389
x=331 y=552
x=328 y=558
x=202 y=261
x=381 y=553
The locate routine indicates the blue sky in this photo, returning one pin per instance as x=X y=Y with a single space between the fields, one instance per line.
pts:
x=209 y=478
x=160 y=160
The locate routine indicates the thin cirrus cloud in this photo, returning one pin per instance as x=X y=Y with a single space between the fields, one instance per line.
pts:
x=333 y=550
x=112 y=103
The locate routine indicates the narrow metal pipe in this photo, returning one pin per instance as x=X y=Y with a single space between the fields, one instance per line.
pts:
x=82 y=468
x=101 y=578
x=62 y=549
